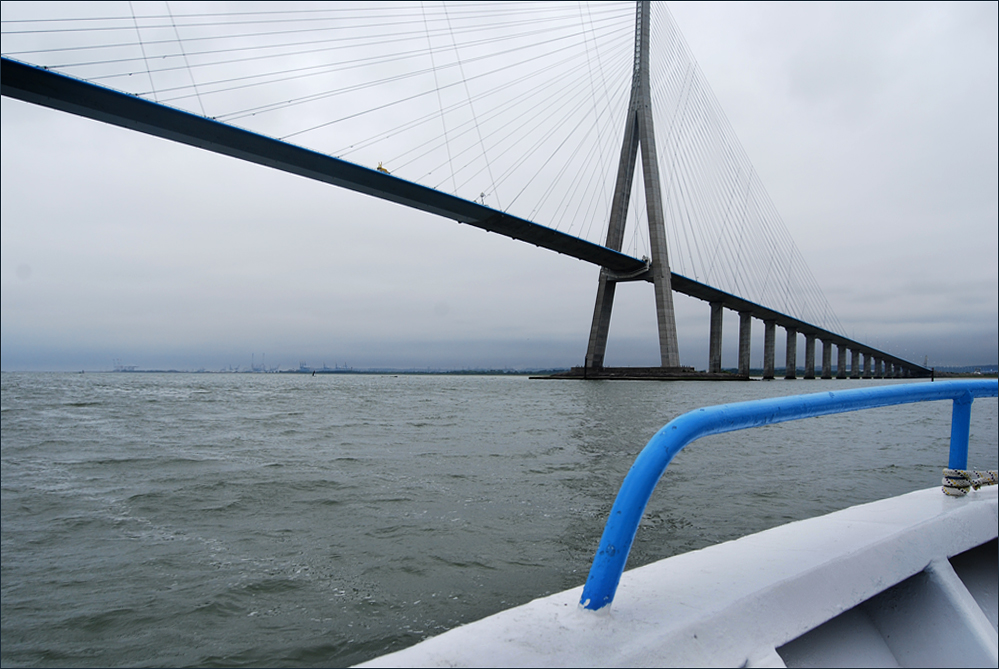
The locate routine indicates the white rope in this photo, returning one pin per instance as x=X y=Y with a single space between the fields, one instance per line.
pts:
x=956 y=482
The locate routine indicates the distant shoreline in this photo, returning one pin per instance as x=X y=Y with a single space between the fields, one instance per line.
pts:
x=967 y=371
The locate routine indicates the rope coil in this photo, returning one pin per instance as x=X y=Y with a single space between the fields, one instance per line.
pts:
x=956 y=482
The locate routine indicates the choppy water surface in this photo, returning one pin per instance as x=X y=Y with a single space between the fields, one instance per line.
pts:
x=287 y=520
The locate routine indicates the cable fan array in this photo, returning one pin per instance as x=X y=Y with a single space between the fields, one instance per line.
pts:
x=722 y=227
x=518 y=105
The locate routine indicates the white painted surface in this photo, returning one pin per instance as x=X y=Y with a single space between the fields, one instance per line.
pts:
x=740 y=602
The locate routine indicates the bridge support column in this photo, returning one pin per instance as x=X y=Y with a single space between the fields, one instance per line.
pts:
x=745 y=340
x=601 y=322
x=841 y=361
x=768 y=349
x=809 y=356
x=868 y=358
x=639 y=133
x=641 y=106
x=878 y=368
x=715 y=338
x=855 y=364
x=791 y=354
x=827 y=347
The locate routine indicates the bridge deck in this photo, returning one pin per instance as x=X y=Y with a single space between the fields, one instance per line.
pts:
x=50 y=89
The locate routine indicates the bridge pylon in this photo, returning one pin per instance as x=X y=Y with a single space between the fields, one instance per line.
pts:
x=638 y=134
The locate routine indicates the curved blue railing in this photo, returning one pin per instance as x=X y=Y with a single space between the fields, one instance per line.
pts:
x=619 y=533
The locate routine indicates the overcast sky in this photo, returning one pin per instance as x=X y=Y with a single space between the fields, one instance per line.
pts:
x=873 y=126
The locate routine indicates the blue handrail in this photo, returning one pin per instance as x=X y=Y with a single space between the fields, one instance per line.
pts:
x=619 y=533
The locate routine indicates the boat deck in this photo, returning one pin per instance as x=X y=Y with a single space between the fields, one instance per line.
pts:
x=906 y=581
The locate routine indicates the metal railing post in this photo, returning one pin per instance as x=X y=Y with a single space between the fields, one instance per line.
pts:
x=960 y=427
x=650 y=465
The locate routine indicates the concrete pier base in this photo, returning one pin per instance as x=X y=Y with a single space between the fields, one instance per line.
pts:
x=745 y=340
x=827 y=359
x=791 y=355
x=715 y=339
x=643 y=374
x=768 y=349
x=841 y=362
x=809 y=356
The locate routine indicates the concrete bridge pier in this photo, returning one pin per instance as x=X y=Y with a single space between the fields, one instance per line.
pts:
x=867 y=366
x=745 y=339
x=809 y=356
x=840 y=361
x=879 y=372
x=791 y=356
x=826 y=359
x=855 y=364
x=715 y=338
x=768 y=349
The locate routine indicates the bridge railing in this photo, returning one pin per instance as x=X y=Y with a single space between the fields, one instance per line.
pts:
x=651 y=463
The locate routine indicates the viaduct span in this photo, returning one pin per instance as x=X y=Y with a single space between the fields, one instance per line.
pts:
x=853 y=359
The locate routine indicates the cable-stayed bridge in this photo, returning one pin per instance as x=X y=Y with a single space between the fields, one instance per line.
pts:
x=528 y=106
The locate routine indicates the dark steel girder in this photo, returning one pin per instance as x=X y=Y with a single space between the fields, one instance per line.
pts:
x=50 y=89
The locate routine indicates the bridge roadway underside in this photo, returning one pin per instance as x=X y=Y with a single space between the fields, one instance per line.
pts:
x=56 y=91
x=49 y=89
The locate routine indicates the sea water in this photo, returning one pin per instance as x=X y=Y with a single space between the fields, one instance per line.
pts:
x=292 y=520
